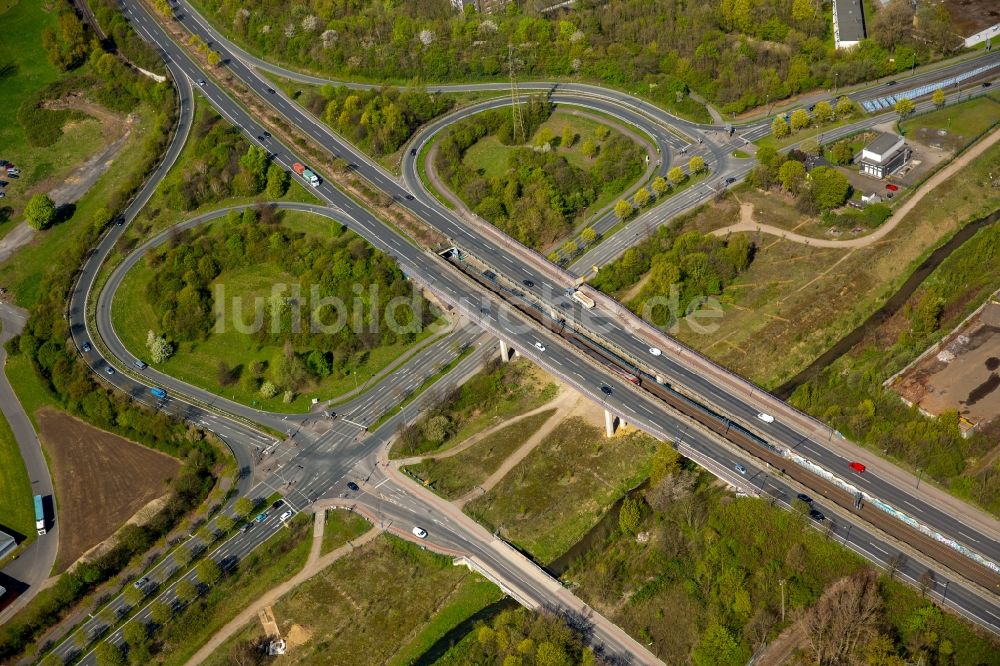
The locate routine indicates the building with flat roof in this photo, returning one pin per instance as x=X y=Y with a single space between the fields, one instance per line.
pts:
x=485 y=6
x=884 y=155
x=7 y=544
x=848 y=23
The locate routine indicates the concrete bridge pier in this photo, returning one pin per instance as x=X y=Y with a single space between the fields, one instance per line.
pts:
x=506 y=351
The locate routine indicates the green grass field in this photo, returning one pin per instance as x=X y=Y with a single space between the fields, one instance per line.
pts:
x=29 y=388
x=341 y=526
x=197 y=362
x=17 y=513
x=24 y=70
x=384 y=603
x=456 y=475
x=563 y=487
x=968 y=119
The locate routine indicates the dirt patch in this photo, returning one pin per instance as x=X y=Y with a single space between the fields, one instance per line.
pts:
x=297 y=635
x=959 y=374
x=971 y=16
x=101 y=480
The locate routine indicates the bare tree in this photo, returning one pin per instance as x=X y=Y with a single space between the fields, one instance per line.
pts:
x=846 y=616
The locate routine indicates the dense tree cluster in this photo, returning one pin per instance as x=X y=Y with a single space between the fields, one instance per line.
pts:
x=225 y=165
x=850 y=396
x=66 y=44
x=681 y=267
x=541 y=195
x=340 y=268
x=822 y=189
x=738 y=53
x=379 y=121
x=518 y=636
x=121 y=38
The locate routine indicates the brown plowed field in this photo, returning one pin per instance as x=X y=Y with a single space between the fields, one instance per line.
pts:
x=101 y=480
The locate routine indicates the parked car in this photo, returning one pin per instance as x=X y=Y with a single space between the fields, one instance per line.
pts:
x=891 y=187
x=857 y=467
x=420 y=532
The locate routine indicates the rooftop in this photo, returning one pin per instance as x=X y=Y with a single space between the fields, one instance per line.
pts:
x=850 y=20
x=883 y=143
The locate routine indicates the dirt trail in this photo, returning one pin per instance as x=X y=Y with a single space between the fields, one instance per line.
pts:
x=941 y=176
x=557 y=402
x=314 y=564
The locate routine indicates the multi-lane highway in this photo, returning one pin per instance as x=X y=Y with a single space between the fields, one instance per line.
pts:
x=318 y=455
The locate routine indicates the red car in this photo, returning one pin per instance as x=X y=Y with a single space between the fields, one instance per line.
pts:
x=857 y=467
x=891 y=187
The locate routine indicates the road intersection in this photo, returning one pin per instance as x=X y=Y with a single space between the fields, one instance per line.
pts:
x=314 y=458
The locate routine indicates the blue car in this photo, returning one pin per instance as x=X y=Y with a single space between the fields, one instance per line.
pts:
x=260 y=517
x=158 y=392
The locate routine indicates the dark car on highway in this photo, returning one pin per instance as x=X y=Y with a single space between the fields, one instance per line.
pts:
x=817 y=515
x=802 y=497
x=606 y=390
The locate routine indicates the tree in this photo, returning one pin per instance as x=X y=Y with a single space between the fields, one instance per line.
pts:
x=437 y=428
x=108 y=654
x=268 y=390
x=904 y=106
x=696 y=165
x=569 y=248
x=185 y=590
x=242 y=507
x=803 y=10
x=823 y=111
x=135 y=634
x=255 y=162
x=676 y=176
x=568 y=137
x=791 y=174
x=938 y=97
x=779 y=128
x=588 y=235
x=629 y=516
x=159 y=349
x=214 y=59
x=208 y=571
x=660 y=186
x=843 y=618
x=829 y=187
x=718 y=647
x=40 y=211
x=277 y=181
x=588 y=148
x=842 y=152
x=134 y=595
x=845 y=106
x=160 y=612
x=183 y=556
x=623 y=209
x=666 y=461
x=641 y=197
x=800 y=119
x=224 y=523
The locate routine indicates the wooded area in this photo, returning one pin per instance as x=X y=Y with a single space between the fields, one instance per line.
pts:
x=540 y=196
x=737 y=53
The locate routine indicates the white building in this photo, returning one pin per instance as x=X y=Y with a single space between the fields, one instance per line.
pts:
x=885 y=155
x=848 y=23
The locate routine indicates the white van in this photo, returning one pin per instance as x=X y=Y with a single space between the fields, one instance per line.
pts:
x=766 y=418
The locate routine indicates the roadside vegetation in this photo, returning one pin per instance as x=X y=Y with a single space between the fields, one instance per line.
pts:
x=499 y=391
x=454 y=476
x=538 y=191
x=850 y=397
x=386 y=588
x=699 y=577
x=673 y=271
x=968 y=120
x=738 y=55
x=56 y=93
x=16 y=507
x=204 y=608
x=341 y=526
x=260 y=344
x=563 y=487
x=377 y=121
